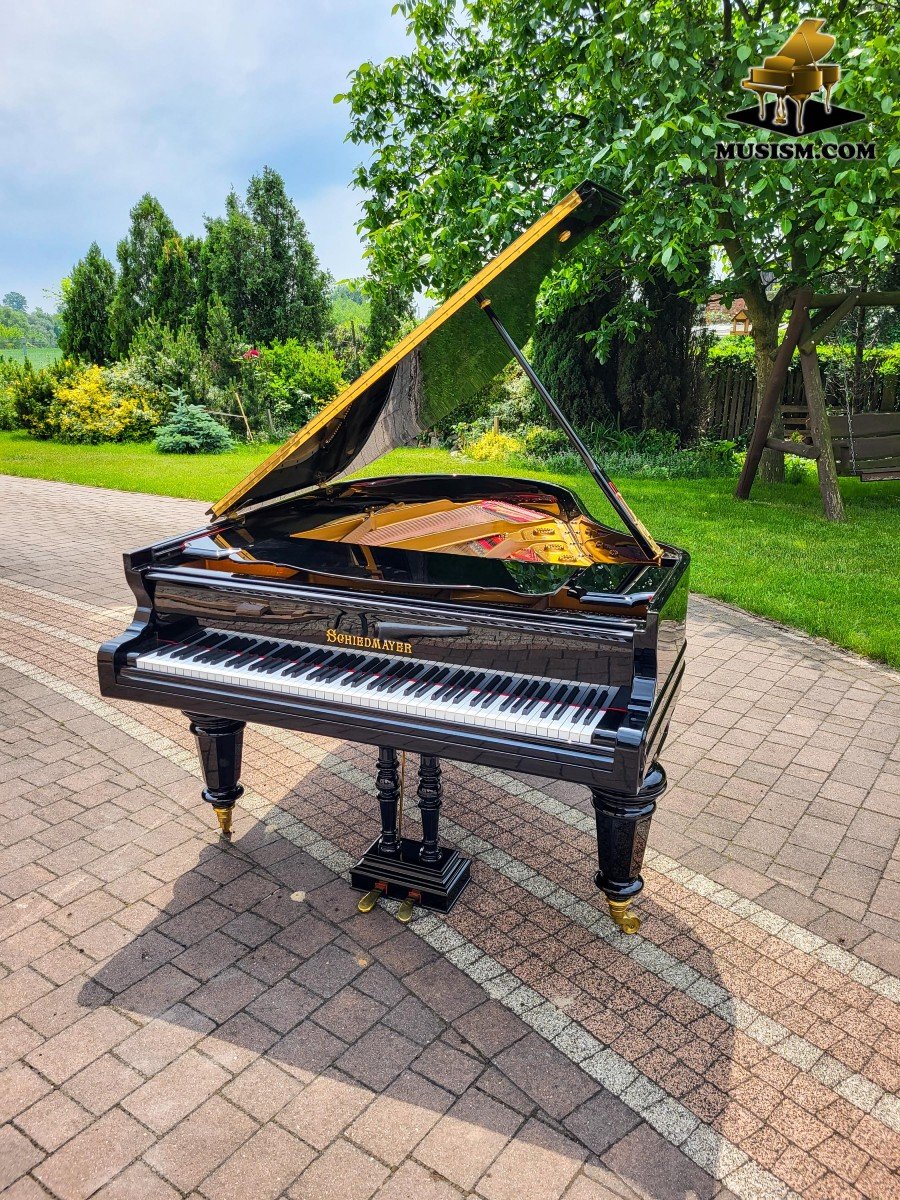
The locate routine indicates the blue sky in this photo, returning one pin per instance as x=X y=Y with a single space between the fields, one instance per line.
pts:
x=101 y=101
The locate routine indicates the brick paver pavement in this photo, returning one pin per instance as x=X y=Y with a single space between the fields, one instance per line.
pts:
x=183 y=1018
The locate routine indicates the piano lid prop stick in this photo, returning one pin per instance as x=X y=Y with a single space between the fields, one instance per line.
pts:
x=632 y=523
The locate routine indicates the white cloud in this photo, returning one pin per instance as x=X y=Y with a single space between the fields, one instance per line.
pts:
x=101 y=101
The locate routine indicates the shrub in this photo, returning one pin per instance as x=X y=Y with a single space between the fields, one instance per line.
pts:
x=491 y=447
x=297 y=380
x=191 y=430
x=162 y=365
x=86 y=410
x=33 y=393
x=9 y=374
x=540 y=442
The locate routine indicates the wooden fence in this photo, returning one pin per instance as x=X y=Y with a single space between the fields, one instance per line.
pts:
x=731 y=404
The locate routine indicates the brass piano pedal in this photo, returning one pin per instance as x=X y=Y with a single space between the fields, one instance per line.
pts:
x=408 y=907
x=224 y=815
x=367 y=902
x=627 y=921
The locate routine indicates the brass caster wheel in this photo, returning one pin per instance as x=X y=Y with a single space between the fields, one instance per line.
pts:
x=367 y=902
x=224 y=815
x=626 y=921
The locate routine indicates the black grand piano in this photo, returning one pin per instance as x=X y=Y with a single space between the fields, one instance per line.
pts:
x=488 y=620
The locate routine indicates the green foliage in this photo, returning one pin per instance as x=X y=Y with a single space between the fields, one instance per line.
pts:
x=190 y=429
x=16 y=301
x=9 y=373
x=86 y=410
x=349 y=302
x=172 y=294
x=391 y=316
x=568 y=365
x=224 y=345
x=496 y=104
x=297 y=380
x=164 y=365
x=85 y=313
x=259 y=260
x=733 y=350
x=33 y=393
x=494 y=447
x=139 y=254
x=541 y=444
x=31 y=329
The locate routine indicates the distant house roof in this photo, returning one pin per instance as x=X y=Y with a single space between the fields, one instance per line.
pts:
x=717 y=313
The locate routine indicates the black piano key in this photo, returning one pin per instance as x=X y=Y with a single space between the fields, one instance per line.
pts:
x=528 y=693
x=401 y=677
x=448 y=684
x=467 y=684
x=423 y=680
x=414 y=679
x=191 y=642
x=329 y=668
x=364 y=676
x=536 y=697
x=485 y=688
x=563 y=702
x=514 y=695
x=551 y=701
x=189 y=648
x=246 y=653
x=302 y=665
x=216 y=653
x=497 y=690
x=428 y=684
x=590 y=704
x=386 y=676
x=453 y=685
x=280 y=658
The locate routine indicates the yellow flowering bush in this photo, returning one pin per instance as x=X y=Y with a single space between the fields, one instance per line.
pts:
x=491 y=447
x=87 y=410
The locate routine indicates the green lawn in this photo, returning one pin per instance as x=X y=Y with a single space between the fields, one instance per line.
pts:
x=776 y=556
x=38 y=356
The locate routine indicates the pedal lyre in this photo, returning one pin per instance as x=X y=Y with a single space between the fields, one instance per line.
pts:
x=370 y=899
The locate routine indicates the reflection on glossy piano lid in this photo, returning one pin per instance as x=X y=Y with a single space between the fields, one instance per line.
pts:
x=451 y=355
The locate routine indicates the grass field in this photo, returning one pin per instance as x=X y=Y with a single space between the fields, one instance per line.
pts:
x=776 y=556
x=38 y=356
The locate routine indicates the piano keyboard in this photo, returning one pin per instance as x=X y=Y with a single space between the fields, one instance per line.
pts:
x=532 y=705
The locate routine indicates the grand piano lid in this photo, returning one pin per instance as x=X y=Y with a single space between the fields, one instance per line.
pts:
x=451 y=355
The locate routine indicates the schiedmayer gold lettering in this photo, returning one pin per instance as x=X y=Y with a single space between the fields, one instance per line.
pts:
x=335 y=637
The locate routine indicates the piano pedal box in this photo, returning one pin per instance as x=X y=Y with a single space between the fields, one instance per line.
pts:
x=439 y=885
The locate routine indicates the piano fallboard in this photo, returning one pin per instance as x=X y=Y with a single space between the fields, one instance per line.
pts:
x=590 y=650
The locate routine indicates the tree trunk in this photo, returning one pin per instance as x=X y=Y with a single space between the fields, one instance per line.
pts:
x=765 y=344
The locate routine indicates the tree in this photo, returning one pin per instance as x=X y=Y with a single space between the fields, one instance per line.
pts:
x=86 y=308
x=500 y=103
x=391 y=314
x=15 y=300
x=139 y=254
x=172 y=294
x=259 y=260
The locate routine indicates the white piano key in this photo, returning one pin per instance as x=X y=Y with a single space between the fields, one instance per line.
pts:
x=351 y=687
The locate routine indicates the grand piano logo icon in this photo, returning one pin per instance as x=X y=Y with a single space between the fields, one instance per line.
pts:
x=793 y=78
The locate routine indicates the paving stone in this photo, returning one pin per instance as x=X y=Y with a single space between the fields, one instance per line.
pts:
x=149 y=970
x=538 y=1162
x=343 y=1172
x=200 y=1143
x=94 y=1157
x=465 y=1141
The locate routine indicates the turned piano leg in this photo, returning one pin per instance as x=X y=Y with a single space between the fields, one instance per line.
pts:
x=219 y=744
x=430 y=792
x=623 y=826
x=387 y=785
